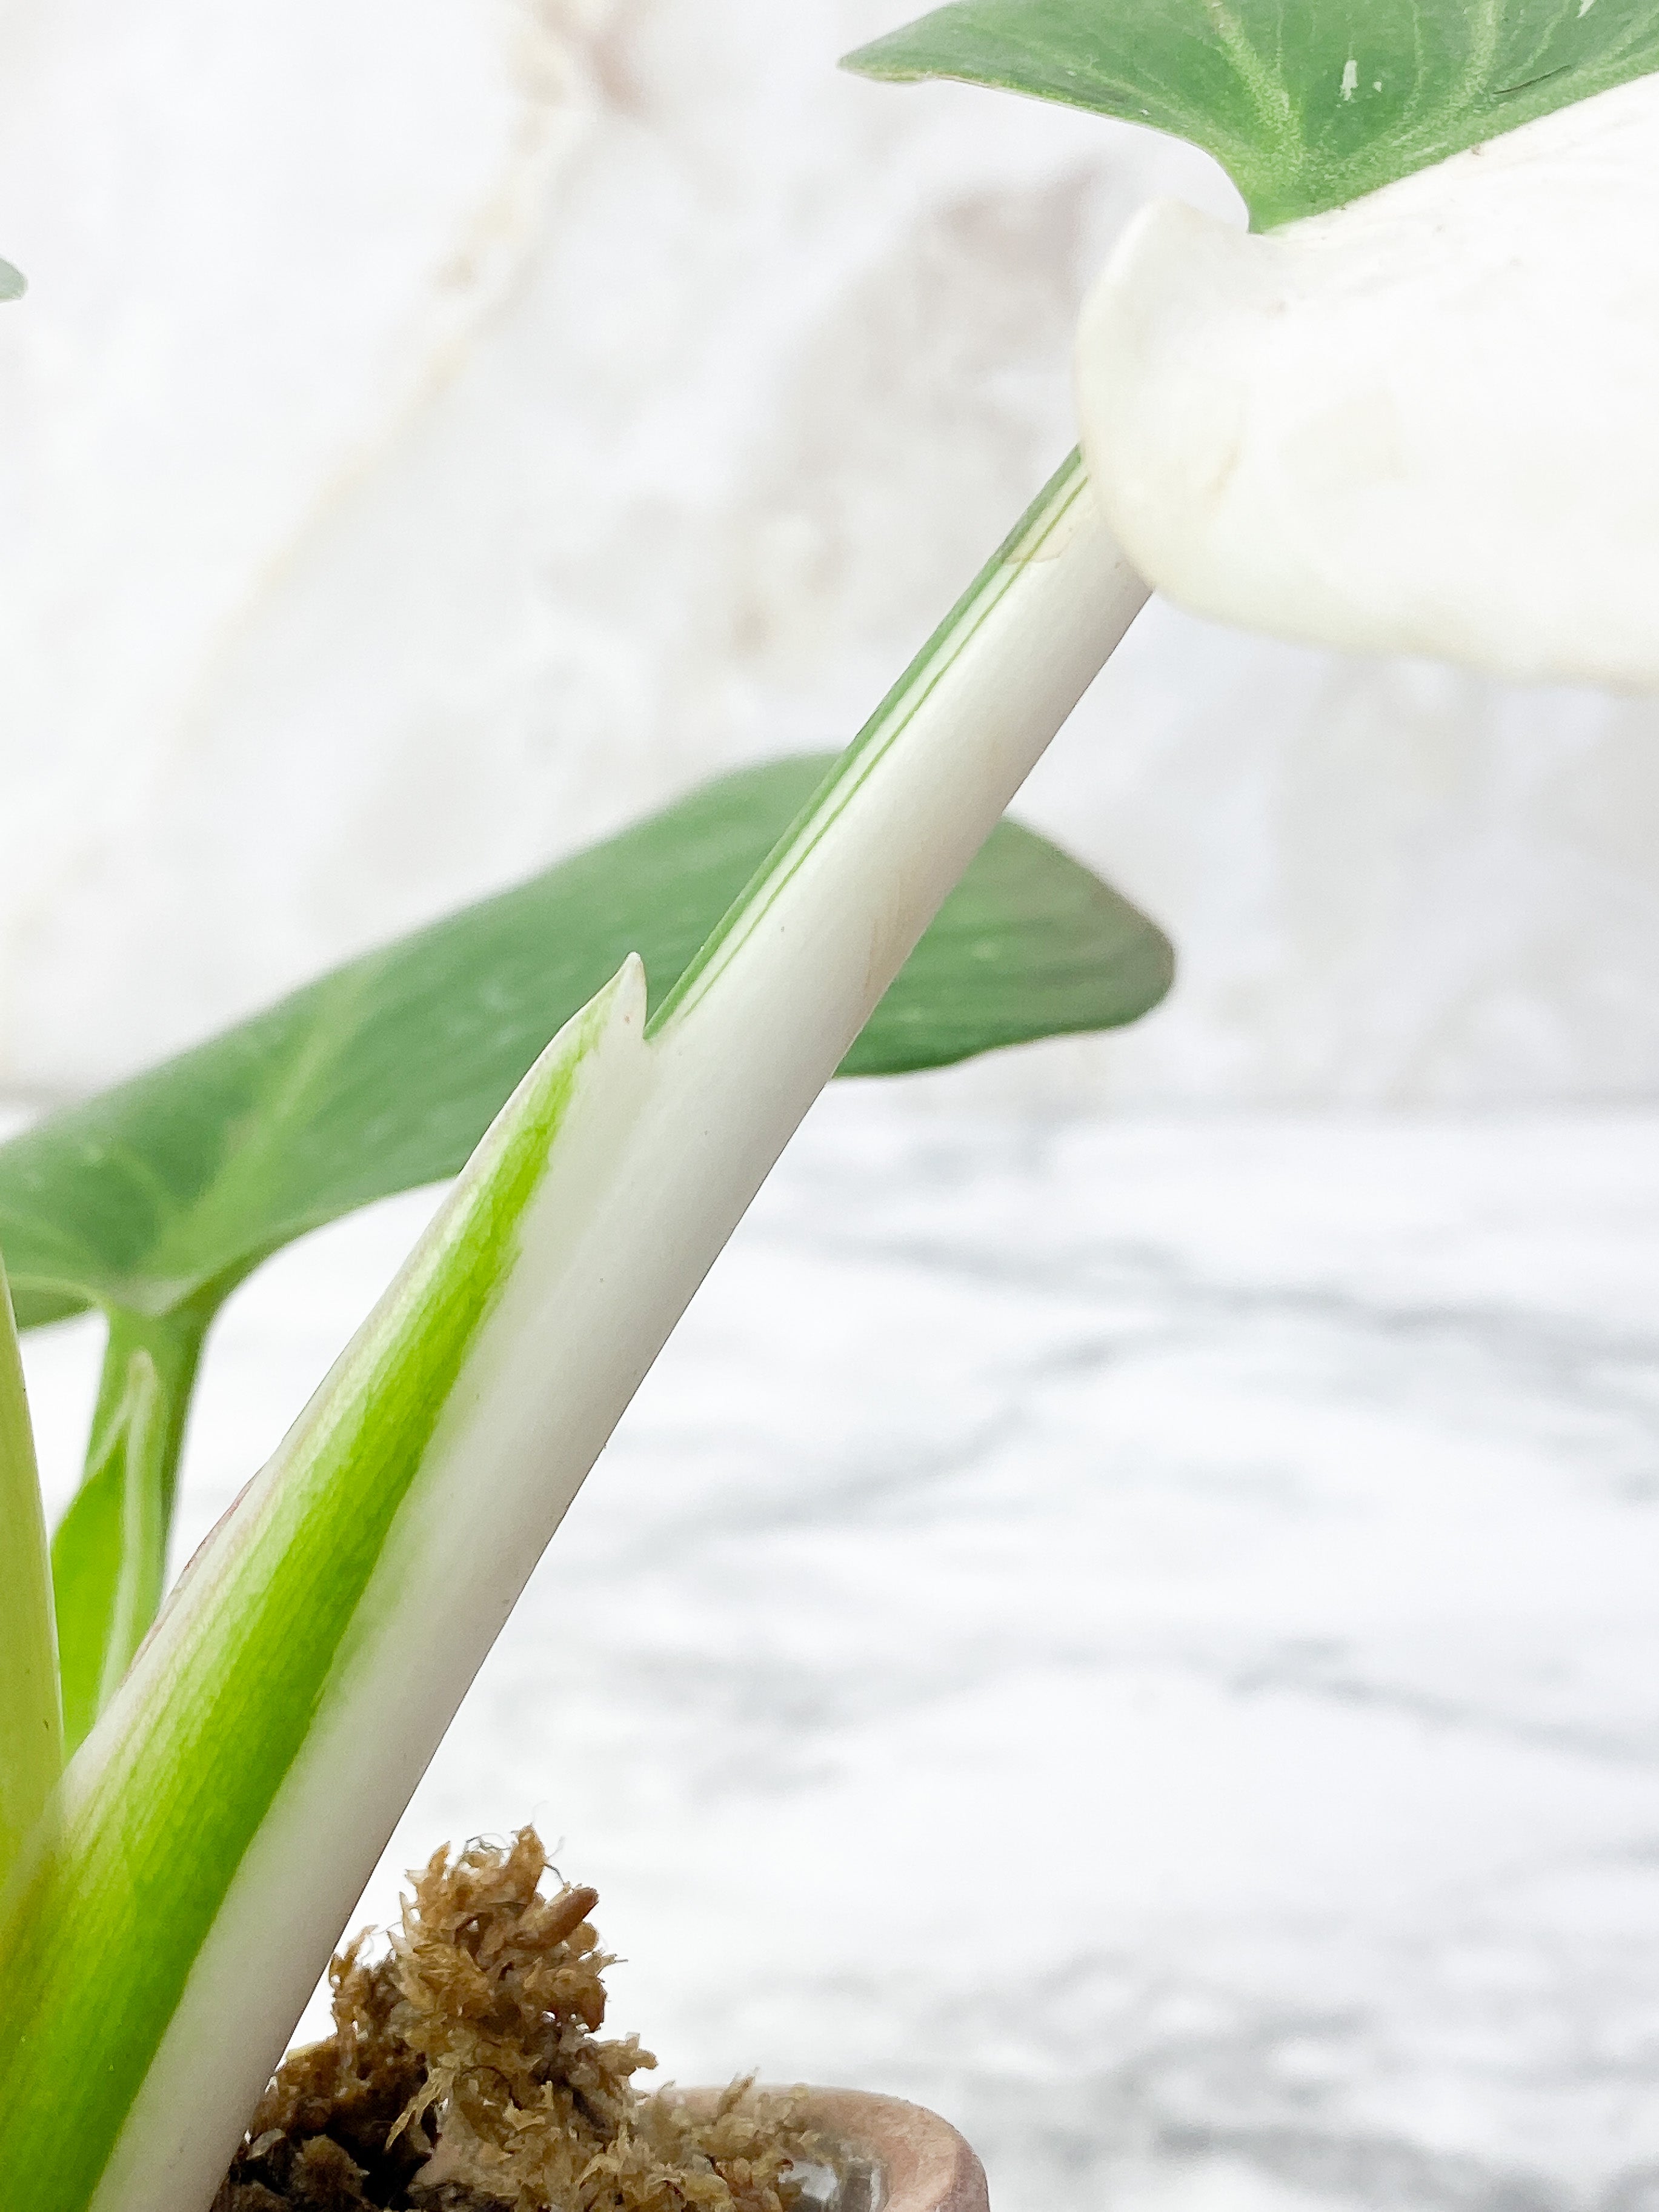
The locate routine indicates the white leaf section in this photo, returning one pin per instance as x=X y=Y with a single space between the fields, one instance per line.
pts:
x=663 y=1145
x=1424 y=423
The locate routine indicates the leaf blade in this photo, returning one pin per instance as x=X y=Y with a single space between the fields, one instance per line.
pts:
x=1030 y=943
x=1307 y=104
x=384 y=1074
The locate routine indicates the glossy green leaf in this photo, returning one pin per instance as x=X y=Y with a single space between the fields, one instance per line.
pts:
x=384 y=1075
x=1306 y=104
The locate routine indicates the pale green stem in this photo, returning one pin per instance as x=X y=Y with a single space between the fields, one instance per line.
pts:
x=109 y=1555
x=31 y=1723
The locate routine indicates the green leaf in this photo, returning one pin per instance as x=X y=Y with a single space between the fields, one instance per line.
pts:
x=13 y=282
x=162 y=1193
x=31 y=1728
x=1306 y=104
x=1029 y=945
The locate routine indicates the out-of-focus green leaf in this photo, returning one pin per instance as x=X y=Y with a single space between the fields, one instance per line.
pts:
x=1307 y=104
x=384 y=1075
x=1029 y=945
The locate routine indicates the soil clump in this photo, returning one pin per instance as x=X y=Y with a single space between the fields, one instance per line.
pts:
x=466 y=2073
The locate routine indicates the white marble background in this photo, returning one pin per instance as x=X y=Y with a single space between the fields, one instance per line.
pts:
x=439 y=431
x=1140 y=1635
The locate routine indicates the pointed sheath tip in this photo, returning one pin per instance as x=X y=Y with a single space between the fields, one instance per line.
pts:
x=623 y=1002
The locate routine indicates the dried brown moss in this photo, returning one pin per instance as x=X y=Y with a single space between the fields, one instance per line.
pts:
x=466 y=2073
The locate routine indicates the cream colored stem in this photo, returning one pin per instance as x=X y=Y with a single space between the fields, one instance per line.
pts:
x=657 y=1145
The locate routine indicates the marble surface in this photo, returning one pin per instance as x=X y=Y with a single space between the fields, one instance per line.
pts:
x=1140 y=1634
x=434 y=436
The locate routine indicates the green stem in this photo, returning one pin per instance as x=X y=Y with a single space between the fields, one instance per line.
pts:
x=31 y=1719
x=109 y=1556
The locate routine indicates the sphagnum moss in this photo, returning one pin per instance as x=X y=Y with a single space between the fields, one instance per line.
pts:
x=466 y=2073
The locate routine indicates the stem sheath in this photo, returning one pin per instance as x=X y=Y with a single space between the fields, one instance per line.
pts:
x=222 y=1819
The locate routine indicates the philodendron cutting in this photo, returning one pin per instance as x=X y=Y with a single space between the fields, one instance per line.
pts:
x=170 y=1906
x=174 y=1893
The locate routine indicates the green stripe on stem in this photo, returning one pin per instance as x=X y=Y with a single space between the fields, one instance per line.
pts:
x=1036 y=537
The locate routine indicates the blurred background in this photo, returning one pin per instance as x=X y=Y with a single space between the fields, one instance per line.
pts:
x=1127 y=1611
x=437 y=433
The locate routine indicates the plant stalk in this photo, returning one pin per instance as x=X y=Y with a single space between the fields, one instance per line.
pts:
x=222 y=1819
x=109 y=1555
x=31 y=1720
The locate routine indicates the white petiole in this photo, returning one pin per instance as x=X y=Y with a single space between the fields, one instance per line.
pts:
x=230 y=1804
